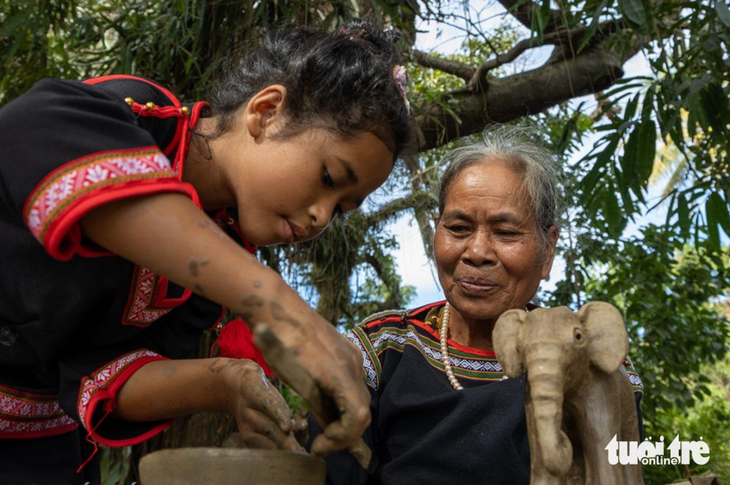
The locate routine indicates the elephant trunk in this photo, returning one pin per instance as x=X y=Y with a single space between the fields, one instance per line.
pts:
x=546 y=392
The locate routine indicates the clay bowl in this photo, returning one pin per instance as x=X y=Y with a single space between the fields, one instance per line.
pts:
x=230 y=466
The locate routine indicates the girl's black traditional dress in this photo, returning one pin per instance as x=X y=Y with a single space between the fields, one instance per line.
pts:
x=424 y=431
x=76 y=321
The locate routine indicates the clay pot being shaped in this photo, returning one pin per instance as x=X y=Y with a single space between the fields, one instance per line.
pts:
x=230 y=466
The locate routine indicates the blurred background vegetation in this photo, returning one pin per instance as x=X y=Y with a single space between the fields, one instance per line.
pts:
x=633 y=145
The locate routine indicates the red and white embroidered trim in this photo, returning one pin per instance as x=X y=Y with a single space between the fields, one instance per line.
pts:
x=24 y=415
x=139 y=308
x=146 y=302
x=62 y=187
x=102 y=378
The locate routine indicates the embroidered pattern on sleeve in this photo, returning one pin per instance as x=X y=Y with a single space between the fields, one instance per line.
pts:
x=67 y=185
x=103 y=378
x=146 y=301
x=25 y=415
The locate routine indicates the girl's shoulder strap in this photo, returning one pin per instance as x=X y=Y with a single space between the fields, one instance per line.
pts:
x=138 y=89
x=157 y=110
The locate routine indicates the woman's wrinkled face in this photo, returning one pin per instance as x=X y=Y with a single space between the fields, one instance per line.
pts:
x=489 y=252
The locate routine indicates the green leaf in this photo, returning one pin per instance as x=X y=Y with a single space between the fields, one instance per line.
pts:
x=589 y=181
x=717 y=211
x=634 y=11
x=646 y=150
x=591 y=31
x=628 y=158
x=545 y=13
x=10 y=25
x=713 y=234
x=567 y=131
x=612 y=212
x=714 y=105
x=723 y=13
x=537 y=23
x=623 y=85
x=699 y=84
x=631 y=108
x=693 y=119
x=683 y=213
x=648 y=103
x=623 y=189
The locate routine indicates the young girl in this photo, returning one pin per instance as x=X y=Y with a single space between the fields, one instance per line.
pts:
x=122 y=216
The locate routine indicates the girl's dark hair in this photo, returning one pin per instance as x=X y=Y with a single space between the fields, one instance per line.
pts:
x=341 y=81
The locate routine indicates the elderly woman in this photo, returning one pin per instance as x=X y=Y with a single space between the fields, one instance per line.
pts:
x=443 y=412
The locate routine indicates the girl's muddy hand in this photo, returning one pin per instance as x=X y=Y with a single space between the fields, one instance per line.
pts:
x=264 y=419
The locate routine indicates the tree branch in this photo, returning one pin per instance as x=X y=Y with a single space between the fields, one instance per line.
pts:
x=395 y=298
x=522 y=11
x=414 y=200
x=479 y=79
x=604 y=108
x=458 y=69
x=562 y=37
x=522 y=94
x=421 y=210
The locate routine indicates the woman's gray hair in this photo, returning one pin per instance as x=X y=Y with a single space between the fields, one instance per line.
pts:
x=539 y=168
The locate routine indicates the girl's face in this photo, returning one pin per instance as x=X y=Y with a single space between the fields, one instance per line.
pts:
x=286 y=189
x=289 y=190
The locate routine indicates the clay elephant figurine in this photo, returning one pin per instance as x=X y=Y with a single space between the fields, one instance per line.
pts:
x=577 y=394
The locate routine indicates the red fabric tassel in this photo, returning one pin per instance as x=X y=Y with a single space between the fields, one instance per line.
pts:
x=235 y=340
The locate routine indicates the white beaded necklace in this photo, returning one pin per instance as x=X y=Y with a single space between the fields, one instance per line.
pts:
x=445 y=349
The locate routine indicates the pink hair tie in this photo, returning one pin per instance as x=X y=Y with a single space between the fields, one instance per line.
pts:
x=354 y=36
x=399 y=76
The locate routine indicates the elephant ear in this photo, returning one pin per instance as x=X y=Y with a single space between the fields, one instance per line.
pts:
x=608 y=342
x=505 y=339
